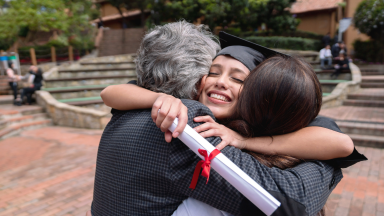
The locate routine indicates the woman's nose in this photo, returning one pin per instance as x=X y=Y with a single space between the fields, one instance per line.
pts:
x=222 y=83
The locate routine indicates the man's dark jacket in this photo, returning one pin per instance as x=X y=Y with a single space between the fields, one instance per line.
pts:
x=138 y=173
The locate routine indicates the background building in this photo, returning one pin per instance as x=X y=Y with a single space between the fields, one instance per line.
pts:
x=323 y=16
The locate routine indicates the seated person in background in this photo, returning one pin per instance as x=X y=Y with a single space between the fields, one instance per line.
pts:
x=36 y=85
x=12 y=79
x=326 y=55
x=343 y=64
x=337 y=48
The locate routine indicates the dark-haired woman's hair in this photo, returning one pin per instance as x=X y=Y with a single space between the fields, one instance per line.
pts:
x=280 y=96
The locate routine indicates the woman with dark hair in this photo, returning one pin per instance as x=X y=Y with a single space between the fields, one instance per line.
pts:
x=12 y=79
x=280 y=96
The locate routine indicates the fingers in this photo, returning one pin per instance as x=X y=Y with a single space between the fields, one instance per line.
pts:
x=211 y=133
x=165 y=107
x=206 y=126
x=168 y=136
x=155 y=109
x=206 y=118
x=183 y=120
x=222 y=145
x=175 y=107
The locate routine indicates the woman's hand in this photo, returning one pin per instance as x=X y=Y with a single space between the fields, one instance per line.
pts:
x=211 y=128
x=165 y=109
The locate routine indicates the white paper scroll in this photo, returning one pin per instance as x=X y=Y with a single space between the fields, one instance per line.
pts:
x=229 y=171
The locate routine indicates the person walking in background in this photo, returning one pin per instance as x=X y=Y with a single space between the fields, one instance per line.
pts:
x=326 y=55
x=12 y=79
x=37 y=83
x=342 y=64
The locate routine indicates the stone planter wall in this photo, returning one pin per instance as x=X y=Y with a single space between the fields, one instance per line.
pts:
x=70 y=116
x=343 y=89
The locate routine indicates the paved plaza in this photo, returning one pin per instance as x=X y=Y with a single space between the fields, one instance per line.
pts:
x=50 y=171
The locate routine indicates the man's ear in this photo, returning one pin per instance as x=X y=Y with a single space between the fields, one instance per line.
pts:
x=201 y=86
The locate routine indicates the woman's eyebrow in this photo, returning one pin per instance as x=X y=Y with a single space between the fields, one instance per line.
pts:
x=217 y=65
x=238 y=70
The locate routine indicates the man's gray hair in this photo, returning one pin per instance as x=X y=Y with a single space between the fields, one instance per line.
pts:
x=174 y=57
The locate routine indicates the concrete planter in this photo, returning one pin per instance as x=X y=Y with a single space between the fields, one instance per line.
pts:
x=70 y=116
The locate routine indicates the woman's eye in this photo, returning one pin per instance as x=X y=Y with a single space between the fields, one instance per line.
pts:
x=238 y=80
x=212 y=73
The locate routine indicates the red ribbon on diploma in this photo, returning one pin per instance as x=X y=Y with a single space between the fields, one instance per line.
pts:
x=205 y=165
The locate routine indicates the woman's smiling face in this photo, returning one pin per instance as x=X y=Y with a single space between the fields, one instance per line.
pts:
x=222 y=86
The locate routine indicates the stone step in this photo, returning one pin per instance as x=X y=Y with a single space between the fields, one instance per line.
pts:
x=372 y=79
x=367 y=140
x=82 y=101
x=97 y=73
x=372 y=85
x=370 y=73
x=16 y=129
x=357 y=96
x=89 y=80
x=363 y=103
x=15 y=111
x=327 y=86
x=6 y=99
x=107 y=63
x=327 y=76
x=76 y=91
x=362 y=128
x=22 y=119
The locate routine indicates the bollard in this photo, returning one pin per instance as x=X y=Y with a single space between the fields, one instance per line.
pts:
x=53 y=54
x=70 y=53
x=33 y=56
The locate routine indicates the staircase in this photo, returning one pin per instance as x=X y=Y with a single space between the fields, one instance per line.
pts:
x=362 y=113
x=81 y=83
x=14 y=119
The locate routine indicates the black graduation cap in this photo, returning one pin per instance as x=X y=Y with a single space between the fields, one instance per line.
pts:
x=231 y=40
x=250 y=54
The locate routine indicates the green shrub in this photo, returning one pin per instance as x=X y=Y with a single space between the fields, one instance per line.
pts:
x=6 y=43
x=292 y=43
x=297 y=33
x=370 y=51
x=60 y=41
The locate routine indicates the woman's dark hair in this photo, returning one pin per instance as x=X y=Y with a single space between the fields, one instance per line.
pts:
x=281 y=95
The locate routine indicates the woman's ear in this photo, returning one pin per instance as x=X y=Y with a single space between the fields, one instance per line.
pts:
x=200 y=87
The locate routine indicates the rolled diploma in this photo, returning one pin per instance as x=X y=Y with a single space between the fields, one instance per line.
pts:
x=229 y=171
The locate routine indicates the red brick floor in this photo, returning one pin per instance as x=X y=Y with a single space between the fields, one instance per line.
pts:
x=50 y=171
x=361 y=191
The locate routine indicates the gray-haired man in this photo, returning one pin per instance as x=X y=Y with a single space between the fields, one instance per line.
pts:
x=138 y=173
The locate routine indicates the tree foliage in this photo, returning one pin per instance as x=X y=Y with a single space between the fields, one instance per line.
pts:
x=142 y=5
x=71 y=17
x=369 y=18
x=249 y=14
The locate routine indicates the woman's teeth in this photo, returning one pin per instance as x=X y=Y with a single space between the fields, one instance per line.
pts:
x=219 y=97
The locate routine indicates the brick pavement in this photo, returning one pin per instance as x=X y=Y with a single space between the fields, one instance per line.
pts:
x=50 y=171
